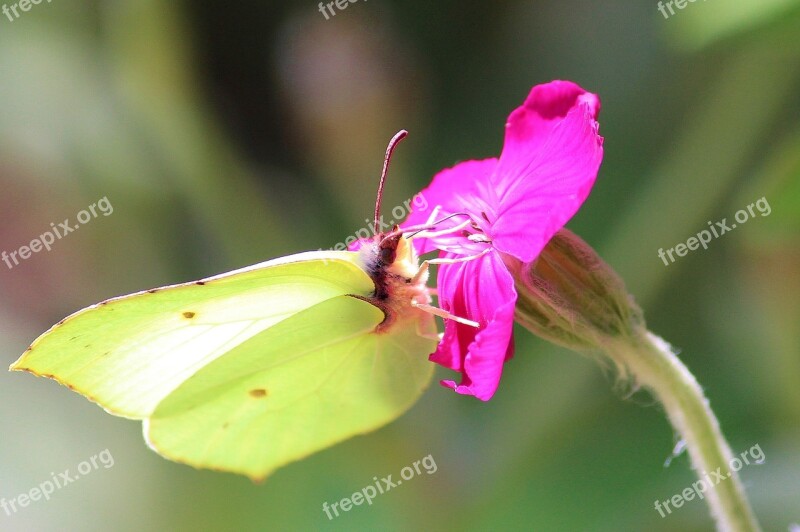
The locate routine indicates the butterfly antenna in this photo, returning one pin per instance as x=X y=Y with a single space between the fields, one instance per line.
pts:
x=400 y=135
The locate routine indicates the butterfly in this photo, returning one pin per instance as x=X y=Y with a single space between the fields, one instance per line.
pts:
x=250 y=370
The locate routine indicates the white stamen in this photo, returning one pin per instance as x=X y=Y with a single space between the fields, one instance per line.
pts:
x=462 y=259
x=448 y=231
x=444 y=314
x=434 y=214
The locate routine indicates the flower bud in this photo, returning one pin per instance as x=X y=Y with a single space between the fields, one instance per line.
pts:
x=569 y=296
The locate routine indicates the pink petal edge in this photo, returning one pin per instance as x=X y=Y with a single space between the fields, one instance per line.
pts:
x=481 y=290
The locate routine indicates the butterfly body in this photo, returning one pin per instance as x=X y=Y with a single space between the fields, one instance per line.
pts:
x=393 y=265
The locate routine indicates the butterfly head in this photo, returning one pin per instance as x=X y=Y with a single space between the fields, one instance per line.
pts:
x=396 y=254
x=391 y=258
x=392 y=263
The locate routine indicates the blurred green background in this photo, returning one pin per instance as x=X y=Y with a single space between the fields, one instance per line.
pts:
x=224 y=134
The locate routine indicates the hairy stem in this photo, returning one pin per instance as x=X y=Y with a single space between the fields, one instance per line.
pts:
x=570 y=297
x=652 y=364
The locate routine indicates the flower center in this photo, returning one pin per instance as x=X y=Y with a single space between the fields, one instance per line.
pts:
x=469 y=227
x=475 y=233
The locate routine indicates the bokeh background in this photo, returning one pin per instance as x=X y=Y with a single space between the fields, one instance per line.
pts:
x=224 y=134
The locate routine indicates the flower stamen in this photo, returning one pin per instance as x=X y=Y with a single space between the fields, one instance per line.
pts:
x=460 y=259
x=432 y=217
x=423 y=268
x=478 y=237
x=415 y=230
x=444 y=314
x=425 y=233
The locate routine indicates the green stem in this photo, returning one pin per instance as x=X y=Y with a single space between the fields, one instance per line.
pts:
x=569 y=296
x=652 y=364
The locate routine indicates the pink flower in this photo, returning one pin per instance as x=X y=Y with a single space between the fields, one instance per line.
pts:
x=501 y=210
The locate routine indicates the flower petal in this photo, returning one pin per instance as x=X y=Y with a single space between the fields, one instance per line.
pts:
x=481 y=290
x=550 y=160
x=356 y=245
x=464 y=188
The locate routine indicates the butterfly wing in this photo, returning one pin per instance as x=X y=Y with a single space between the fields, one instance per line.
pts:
x=127 y=354
x=248 y=370
x=317 y=378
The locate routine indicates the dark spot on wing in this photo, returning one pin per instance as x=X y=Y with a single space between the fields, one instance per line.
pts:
x=258 y=392
x=152 y=291
x=199 y=283
x=189 y=315
x=226 y=425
